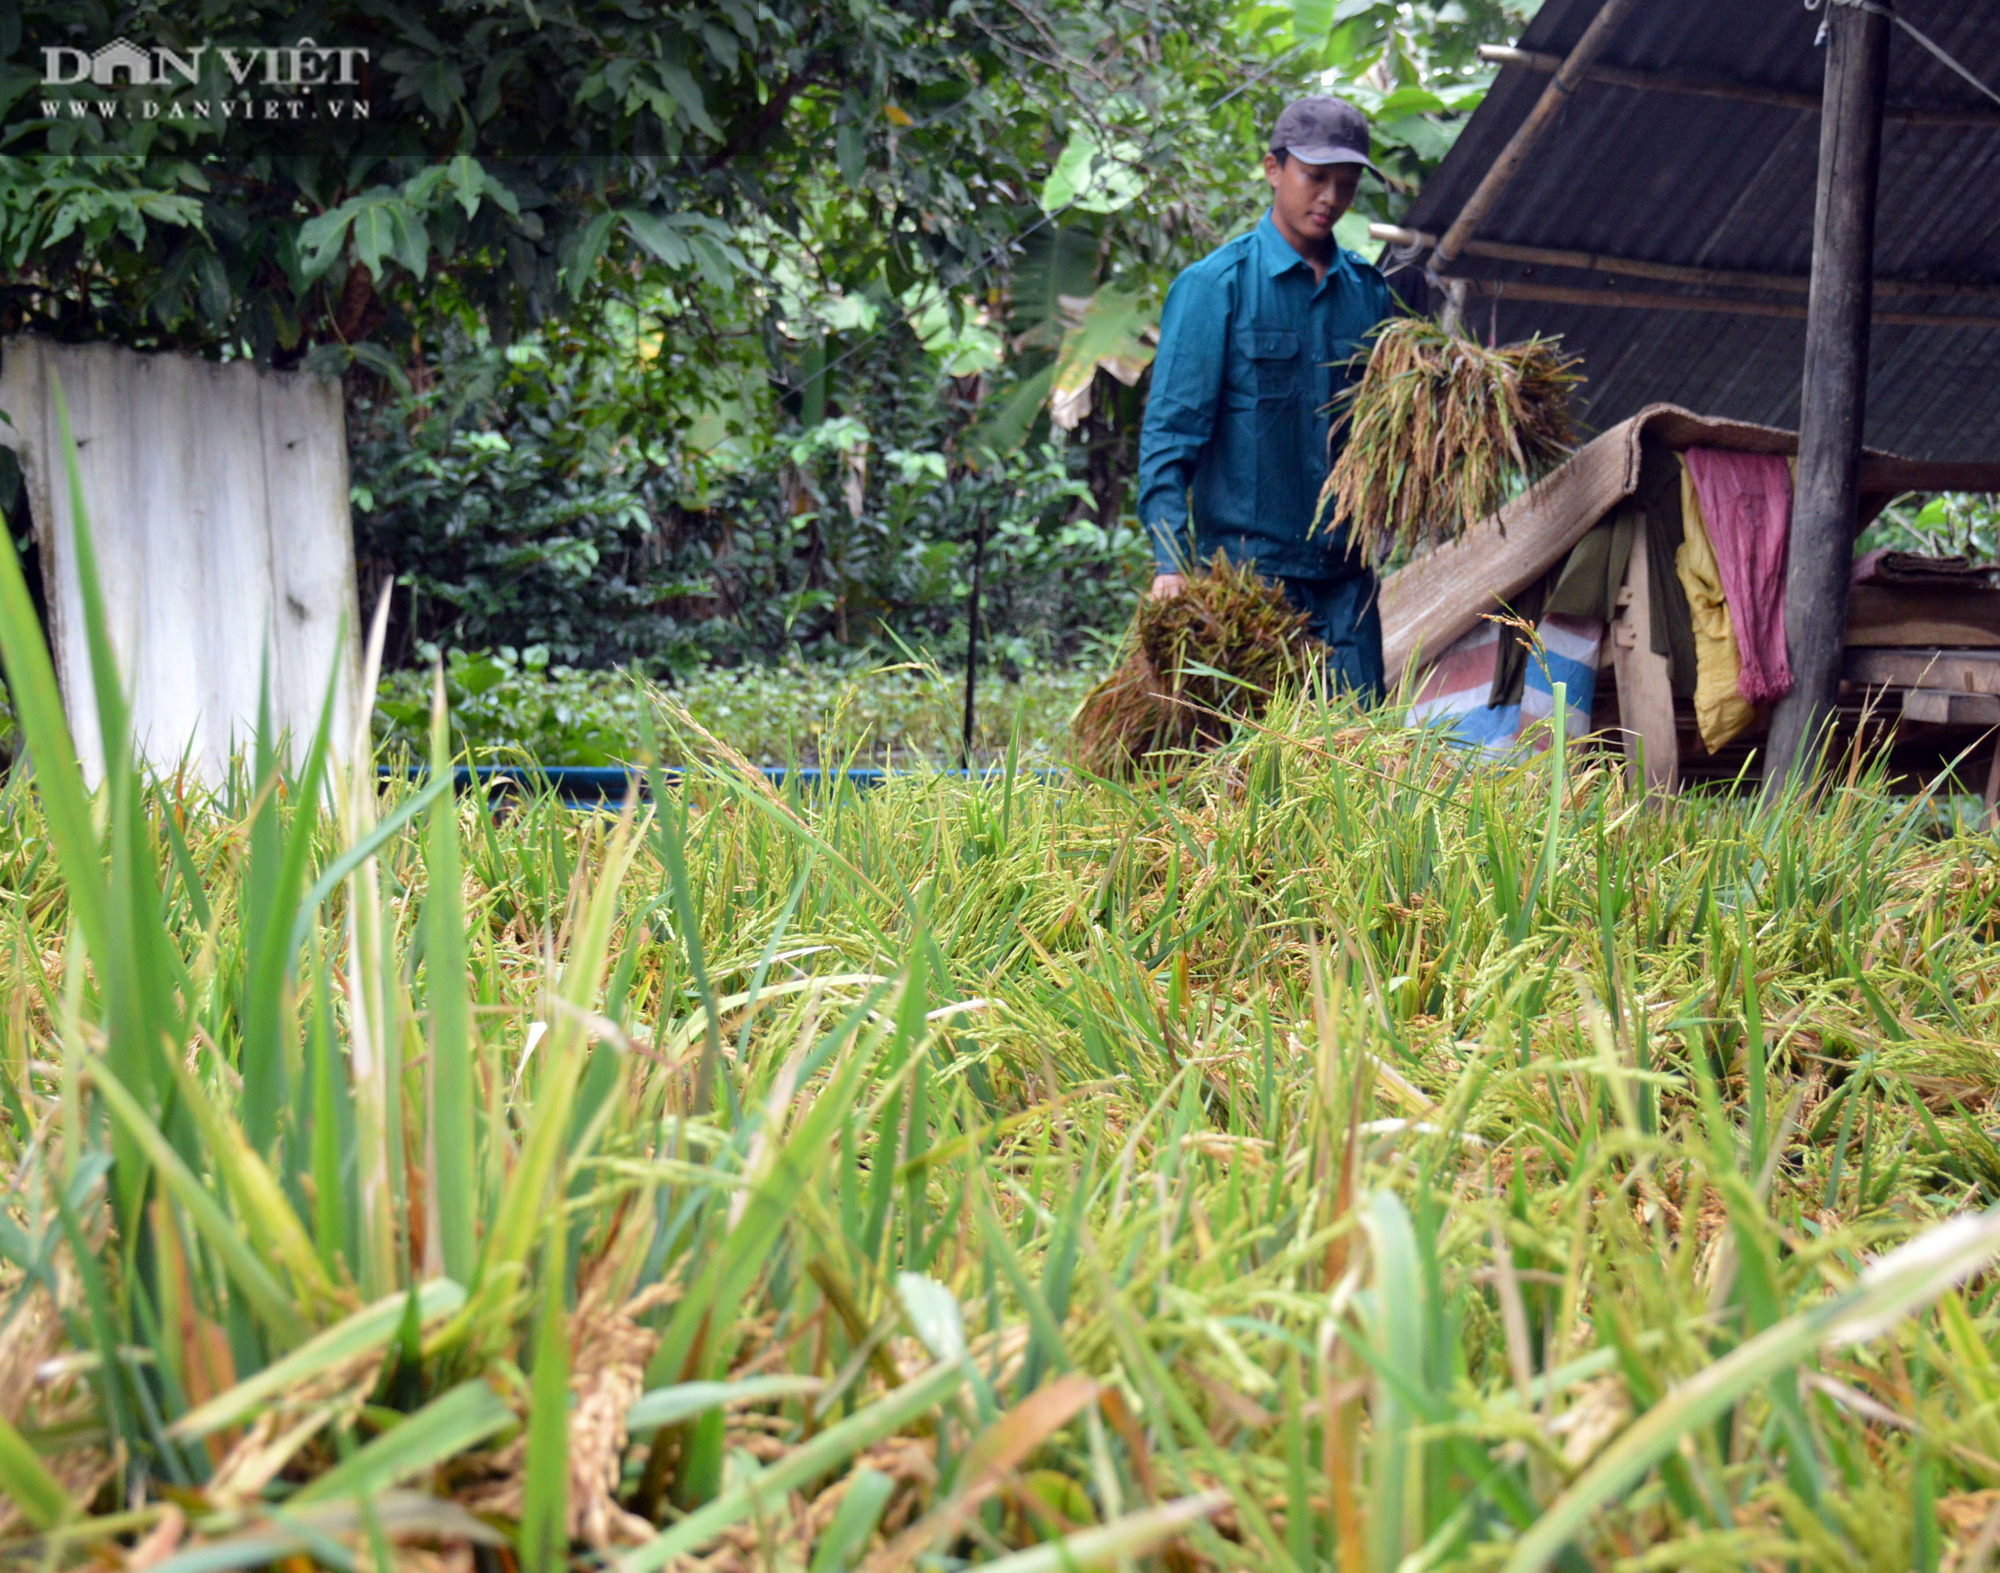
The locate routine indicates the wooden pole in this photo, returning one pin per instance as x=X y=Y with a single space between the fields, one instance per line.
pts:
x=1826 y=498
x=972 y=640
x=1645 y=683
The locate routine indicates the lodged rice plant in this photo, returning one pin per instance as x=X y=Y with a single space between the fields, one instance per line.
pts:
x=1345 y=1156
x=1440 y=432
x=1191 y=666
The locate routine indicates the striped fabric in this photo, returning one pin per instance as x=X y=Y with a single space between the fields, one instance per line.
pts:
x=1568 y=656
x=1457 y=686
x=1455 y=691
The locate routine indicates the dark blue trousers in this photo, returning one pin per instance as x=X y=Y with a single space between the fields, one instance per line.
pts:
x=1345 y=614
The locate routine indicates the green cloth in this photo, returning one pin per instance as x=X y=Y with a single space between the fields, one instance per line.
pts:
x=1595 y=571
x=1659 y=497
x=1584 y=584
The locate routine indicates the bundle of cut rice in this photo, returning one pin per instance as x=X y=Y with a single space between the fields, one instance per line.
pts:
x=1441 y=431
x=1192 y=665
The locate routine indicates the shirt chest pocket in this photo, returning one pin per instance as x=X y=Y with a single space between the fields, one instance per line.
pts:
x=1272 y=355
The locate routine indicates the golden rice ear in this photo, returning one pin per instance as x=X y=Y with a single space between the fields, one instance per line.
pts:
x=1441 y=431
x=1195 y=665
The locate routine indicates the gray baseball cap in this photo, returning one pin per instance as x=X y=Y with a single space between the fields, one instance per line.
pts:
x=1323 y=130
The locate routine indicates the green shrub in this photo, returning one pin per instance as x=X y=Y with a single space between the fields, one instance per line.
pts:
x=542 y=496
x=802 y=713
x=1947 y=524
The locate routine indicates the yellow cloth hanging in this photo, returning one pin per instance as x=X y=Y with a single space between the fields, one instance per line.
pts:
x=1719 y=710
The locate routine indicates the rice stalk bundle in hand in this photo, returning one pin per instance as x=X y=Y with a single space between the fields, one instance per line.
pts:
x=1441 y=431
x=1193 y=663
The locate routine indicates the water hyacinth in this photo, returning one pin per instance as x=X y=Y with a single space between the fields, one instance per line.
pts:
x=1441 y=431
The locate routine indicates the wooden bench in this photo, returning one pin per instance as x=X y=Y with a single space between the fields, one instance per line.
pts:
x=1921 y=676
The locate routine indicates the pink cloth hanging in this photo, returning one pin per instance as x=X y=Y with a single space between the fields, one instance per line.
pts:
x=1746 y=505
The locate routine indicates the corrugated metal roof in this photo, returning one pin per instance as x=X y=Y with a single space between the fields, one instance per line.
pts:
x=1720 y=183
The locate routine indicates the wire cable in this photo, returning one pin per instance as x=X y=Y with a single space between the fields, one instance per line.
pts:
x=1877 y=8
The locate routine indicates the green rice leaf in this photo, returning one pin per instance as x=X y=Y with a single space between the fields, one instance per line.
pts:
x=1907 y=1279
x=442 y=1429
x=544 y=1535
x=366 y=1332
x=37 y=703
x=274 y=880
x=666 y=1406
x=260 y=1201
x=26 y=1479
x=854 y=1522
x=454 y=1167
x=266 y=1297
x=768 y=1486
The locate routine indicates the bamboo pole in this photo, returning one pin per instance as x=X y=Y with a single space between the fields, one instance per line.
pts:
x=1566 y=81
x=1834 y=402
x=1648 y=300
x=1708 y=87
x=1666 y=272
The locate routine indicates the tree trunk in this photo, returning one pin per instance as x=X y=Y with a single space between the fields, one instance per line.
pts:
x=1834 y=403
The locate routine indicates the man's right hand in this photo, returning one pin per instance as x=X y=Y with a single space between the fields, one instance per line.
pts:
x=1166 y=586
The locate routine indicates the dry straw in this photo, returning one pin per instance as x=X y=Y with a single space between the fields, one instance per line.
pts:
x=1441 y=432
x=1193 y=664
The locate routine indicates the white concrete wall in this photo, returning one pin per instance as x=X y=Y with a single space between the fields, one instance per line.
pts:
x=217 y=500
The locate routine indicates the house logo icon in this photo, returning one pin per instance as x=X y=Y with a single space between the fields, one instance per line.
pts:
x=121 y=55
x=120 y=63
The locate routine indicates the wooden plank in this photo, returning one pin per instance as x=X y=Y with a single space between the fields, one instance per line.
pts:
x=1885 y=472
x=1942 y=707
x=1833 y=401
x=1885 y=615
x=217 y=496
x=314 y=602
x=1645 y=684
x=1966 y=671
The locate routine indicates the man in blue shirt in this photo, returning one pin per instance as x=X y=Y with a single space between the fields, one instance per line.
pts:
x=1254 y=344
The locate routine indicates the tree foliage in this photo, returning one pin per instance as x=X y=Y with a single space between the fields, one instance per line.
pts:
x=513 y=503
x=714 y=328
x=531 y=152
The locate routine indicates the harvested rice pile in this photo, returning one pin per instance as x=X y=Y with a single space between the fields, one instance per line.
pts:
x=1442 y=430
x=1193 y=664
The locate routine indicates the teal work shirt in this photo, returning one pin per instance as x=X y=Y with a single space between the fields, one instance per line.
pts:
x=1252 y=351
